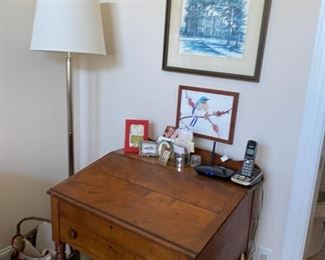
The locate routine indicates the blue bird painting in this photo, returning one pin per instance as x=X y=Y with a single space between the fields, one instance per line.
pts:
x=200 y=108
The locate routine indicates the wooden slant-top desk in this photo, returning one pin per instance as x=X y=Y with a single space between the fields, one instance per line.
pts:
x=128 y=207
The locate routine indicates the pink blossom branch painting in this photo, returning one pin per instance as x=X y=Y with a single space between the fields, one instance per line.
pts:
x=209 y=113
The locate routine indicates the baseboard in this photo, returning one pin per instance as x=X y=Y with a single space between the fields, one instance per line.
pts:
x=4 y=253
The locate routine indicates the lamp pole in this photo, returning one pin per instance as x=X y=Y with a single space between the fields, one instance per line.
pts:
x=70 y=115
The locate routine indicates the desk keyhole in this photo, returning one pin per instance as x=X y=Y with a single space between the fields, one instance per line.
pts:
x=73 y=234
x=110 y=227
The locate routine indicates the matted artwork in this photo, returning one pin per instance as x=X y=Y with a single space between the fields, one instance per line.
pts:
x=209 y=113
x=148 y=148
x=136 y=131
x=223 y=38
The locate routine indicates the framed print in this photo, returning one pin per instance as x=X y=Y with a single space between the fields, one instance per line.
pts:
x=218 y=38
x=209 y=113
x=148 y=148
x=135 y=132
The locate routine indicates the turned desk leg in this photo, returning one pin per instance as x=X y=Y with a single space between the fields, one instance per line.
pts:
x=60 y=251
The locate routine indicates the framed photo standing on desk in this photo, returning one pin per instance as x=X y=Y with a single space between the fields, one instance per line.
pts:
x=136 y=131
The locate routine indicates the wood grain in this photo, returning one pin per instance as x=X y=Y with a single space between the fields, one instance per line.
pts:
x=231 y=239
x=60 y=251
x=55 y=219
x=153 y=211
x=91 y=229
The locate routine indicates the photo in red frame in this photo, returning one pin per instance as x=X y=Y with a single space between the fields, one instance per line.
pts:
x=135 y=131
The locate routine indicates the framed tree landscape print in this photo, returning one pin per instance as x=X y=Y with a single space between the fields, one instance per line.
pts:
x=222 y=38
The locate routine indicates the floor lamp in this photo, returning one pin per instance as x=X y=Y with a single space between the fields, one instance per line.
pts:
x=71 y=27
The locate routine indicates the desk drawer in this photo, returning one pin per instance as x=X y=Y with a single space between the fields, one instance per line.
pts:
x=93 y=244
x=104 y=239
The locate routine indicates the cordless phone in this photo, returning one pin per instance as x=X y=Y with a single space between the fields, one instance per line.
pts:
x=248 y=175
x=249 y=158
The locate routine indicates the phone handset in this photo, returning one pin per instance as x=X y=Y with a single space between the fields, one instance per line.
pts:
x=248 y=174
x=249 y=158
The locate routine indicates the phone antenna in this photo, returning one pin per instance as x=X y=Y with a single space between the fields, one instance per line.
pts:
x=213 y=152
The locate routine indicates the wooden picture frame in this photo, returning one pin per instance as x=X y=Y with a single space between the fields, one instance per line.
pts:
x=216 y=38
x=135 y=132
x=209 y=113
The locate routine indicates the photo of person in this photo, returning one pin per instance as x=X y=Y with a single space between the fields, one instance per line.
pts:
x=170 y=132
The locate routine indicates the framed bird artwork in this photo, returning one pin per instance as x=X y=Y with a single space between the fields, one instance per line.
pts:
x=208 y=113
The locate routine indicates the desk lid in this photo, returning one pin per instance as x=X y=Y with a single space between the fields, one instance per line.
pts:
x=184 y=209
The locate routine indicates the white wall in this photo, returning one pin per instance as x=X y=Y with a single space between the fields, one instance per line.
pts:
x=32 y=120
x=129 y=83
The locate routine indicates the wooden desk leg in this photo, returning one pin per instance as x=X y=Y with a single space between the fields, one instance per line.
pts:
x=60 y=251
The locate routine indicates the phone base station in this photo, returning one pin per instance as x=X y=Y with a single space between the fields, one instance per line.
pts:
x=247 y=180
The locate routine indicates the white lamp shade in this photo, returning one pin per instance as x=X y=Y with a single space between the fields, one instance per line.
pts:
x=68 y=26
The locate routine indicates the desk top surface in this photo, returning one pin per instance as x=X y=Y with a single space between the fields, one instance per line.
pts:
x=183 y=209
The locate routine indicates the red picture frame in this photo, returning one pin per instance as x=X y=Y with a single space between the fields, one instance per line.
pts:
x=135 y=131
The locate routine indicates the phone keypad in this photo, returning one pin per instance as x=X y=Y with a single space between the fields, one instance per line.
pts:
x=247 y=167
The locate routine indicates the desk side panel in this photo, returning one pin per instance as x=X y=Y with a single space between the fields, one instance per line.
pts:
x=232 y=238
